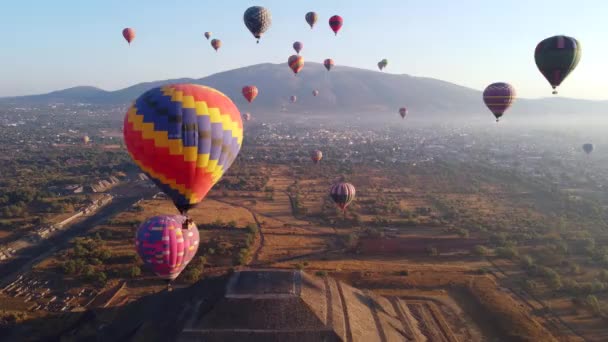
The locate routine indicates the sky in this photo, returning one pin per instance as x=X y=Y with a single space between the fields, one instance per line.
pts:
x=49 y=45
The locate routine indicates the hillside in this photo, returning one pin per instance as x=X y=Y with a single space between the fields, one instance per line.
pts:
x=343 y=90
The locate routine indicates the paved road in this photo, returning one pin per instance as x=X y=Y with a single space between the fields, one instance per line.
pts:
x=30 y=256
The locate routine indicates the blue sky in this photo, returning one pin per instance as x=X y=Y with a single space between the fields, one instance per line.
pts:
x=54 y=44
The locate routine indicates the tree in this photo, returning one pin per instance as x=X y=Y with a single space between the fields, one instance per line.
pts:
x=100 y=278
x=135 y=271
x=480 y=250
x=593 y=304
x=69 y=267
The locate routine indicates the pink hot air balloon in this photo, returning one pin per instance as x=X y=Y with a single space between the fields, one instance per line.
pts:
x=498 y=97
x=298 y=47
x=335 y=23
x=129 y=34
x=293 y=99
x=315 y=92
x=165 y=245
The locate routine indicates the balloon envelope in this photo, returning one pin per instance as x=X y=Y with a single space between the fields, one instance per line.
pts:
x=498 y=97
x=316 y=156
x=342 y=193
x=258 y=20
x=207 y=35
x=556 y=57
x=293 y=98
x=247 y=116
x=298 y=46
x=588 y=148
x=335 y=23
x=315 y=92
x=183 y=137
x=216 y=43
x=328 y=63
x=311 y=18
x=296 y=63
x=250 y=93
x=403 y=112
x=129 y=34
x=165 y=246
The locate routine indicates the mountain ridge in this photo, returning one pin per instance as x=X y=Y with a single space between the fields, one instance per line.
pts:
x=342 y=90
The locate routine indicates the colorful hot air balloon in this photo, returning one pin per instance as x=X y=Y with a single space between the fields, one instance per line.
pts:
x=167 y=244
x=499 y=97
x=207 y=35
x=258 y=20
x=250 y=92
x=315 y=92
x=296 y=63
x=556 y=57
x=316 y=156
x=216 y=43
x=403 y=112
x=588 y=148
x=129 y=34
x=343 y=194
x=293 y=98
x=336 y=23
x=86 y=139
x=183 y=137
x=329 y=63
x=298 y=47
x=311 y=18
x=247 y=116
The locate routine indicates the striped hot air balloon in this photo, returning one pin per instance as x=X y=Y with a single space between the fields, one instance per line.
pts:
x=184 y=137
x=316 y=156
x=343 y=194
x=250 y=93
x=167 y=244
x=296 y=63
x=498 y=97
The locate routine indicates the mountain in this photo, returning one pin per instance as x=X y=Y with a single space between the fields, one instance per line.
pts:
x=344 y=90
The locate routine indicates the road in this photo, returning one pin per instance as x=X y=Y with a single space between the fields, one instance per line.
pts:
x=32 y=255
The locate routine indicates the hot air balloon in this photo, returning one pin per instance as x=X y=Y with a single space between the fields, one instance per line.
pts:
x=315 y=92
x=247 y=116
x=343 y=194
x=250 y=92
x=311 y=18
x=329 y=63
x=293 y=98
x=382 y=64
x=167 y=244
x=258 y=20
x=316 y=156
x=129 y=34
x=216 y=43
x=207 y=35
x=296 y=63
x=183 y=137
x=588 y=148
x=86 y=139
x=403 y=112
x=498 y=97
x=556 y=57
x=335 y=23
x=298 y=47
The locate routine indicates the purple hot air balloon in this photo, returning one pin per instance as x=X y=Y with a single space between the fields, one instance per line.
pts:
x=499 y=97
x=165 y=246
x=298 y=47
